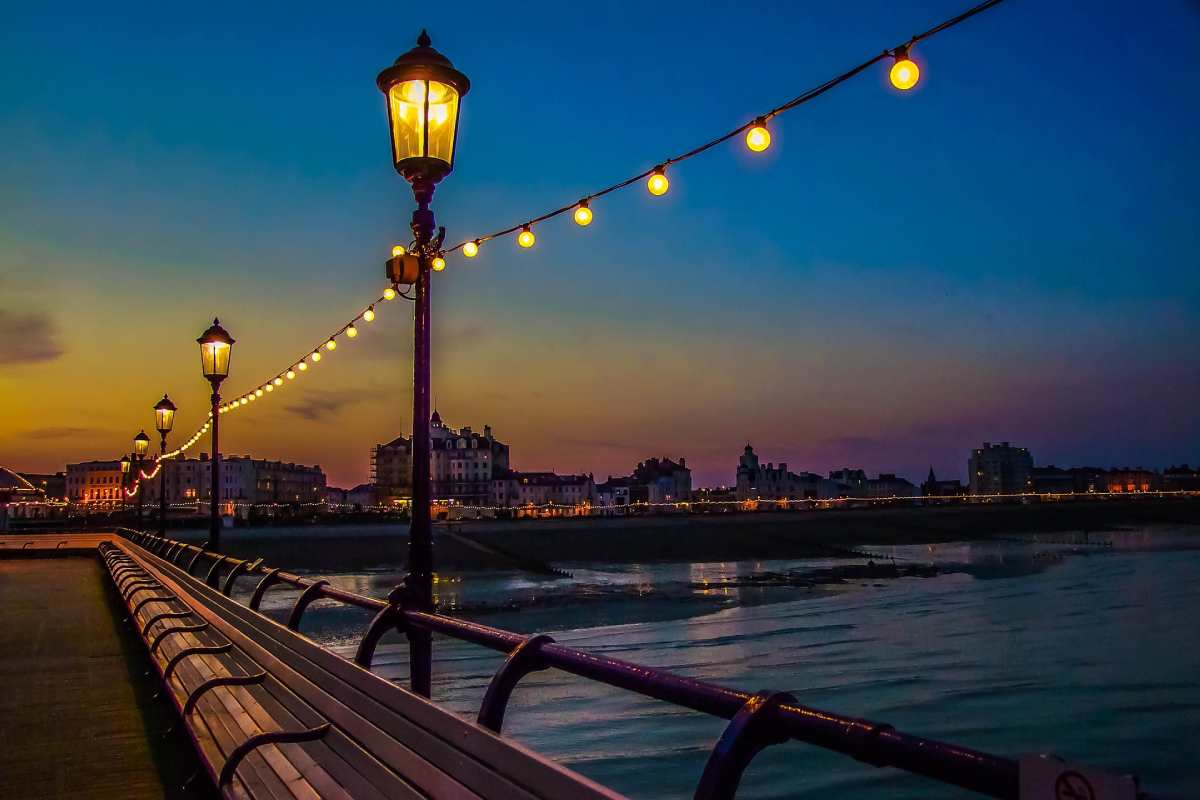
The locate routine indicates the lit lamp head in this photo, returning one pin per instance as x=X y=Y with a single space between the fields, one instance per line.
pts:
x=215 y=346
x=164 y=415
x=126 y=463
x=423 y=91
x=141 y=443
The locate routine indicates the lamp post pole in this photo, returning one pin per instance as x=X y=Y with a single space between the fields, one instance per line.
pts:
x=423 y=91
x=214 y=521
x=141 y=493
x=162 y=485
x=420 y=535
x=126 y=463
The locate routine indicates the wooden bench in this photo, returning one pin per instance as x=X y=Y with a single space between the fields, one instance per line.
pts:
x=274 y=715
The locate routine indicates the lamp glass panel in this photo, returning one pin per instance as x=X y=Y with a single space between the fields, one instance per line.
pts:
x=214 y=359
x=424 y=115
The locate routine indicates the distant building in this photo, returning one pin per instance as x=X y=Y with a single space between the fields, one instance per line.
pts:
x=94 y=482
x=515 y=489
x=666 y=481
x=391 y=470
x=1053 y=480
x=1000 y=469
x=655 y=481
x=54 y=485
x=617 y=494
x=243 y=479
x=854 y=481
x=890 y=485
x=758 y=482
x=1181 y=479
x=1128 y=481
x=462 y=463
x=932 y=487
x=363 y=496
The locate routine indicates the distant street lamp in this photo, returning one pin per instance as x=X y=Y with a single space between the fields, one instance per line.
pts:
x=423 y=91
x=216 y=345
x=126 y=462
x=141 y=443
x=164 y=420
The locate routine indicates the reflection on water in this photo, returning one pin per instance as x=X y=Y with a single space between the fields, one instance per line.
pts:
x=1087 y=648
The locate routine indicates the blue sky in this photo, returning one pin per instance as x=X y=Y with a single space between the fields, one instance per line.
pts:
x=1007 y=252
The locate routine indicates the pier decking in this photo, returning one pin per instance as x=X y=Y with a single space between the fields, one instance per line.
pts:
x=76 y=720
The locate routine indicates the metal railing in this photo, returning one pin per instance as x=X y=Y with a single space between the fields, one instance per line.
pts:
x=756 y=720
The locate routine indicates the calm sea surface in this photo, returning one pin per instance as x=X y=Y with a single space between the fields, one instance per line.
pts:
x=1091 y=653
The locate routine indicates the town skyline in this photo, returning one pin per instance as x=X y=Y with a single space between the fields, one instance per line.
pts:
x=872 y=319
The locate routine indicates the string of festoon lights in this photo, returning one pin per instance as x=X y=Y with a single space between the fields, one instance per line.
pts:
x=327 y=345
x=903 y=74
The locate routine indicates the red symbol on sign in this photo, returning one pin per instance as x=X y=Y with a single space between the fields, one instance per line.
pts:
x=1072 y=786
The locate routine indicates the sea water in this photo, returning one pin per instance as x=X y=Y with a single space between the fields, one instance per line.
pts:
x=1092 y=653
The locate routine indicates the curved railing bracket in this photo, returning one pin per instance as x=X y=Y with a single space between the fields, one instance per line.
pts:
x=524 y=659
x=754 y=727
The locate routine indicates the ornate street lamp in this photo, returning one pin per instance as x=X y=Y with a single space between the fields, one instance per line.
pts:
x=424 y=93
x=216 y=345
x=164 y=420
x=141 y=444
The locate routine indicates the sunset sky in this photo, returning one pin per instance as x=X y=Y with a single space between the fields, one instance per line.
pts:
x=1009 y=252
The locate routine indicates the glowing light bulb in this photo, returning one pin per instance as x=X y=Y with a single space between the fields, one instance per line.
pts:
x=471 y=249
x=258 y=392
x=331 y=345
x=270 y=387
x=398 y=250
x=315 y=357
x=369 y=314
x=302 y=366
x=758 y=138
x=905 y=73
x=438 y=264
x=526 y=238
x=278 y=381
x=658 y=183
x=248 y=399
x=583 y=214
x=389 y=293
x=351 y=332
x=291 y=374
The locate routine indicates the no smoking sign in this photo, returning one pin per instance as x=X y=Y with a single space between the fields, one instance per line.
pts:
x=1050 y=778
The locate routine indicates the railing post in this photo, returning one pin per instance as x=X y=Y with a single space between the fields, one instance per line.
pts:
x=390 y=617
x=753 y=728
x=268 y=579
x=214 y=572
x=306 y=597
x=524 y=659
